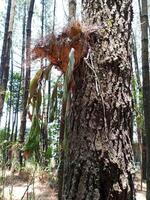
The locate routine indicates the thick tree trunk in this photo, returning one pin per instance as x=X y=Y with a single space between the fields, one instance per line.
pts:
x=146 y=86
x=98 y=154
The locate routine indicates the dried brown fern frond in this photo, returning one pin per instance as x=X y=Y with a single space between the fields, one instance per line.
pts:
x=57 y=48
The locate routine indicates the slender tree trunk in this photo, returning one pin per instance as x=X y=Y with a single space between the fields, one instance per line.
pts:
x=61 y=149
x=144 y=156
x=137 y=71
x=5 y=57
x=22 y=81
x=98 y=154
x=49 y=76
x=16 y=110
x=54 y=15
x=138 y=104
x=72 y=10
x=11 y=97
x=43 y=92
x=42 y=17
x=144 y=151
x=16 y=127
x=72 y=16
x=23 y=46
x=27 y=76
x=4 y=48
x=146 y=86
x=44 y=125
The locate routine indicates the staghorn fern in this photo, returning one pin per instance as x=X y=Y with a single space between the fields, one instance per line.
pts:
x=35 y=99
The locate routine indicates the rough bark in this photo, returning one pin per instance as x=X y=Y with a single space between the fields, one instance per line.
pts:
x=98 y=154
x=27 y=75
x=146 y=86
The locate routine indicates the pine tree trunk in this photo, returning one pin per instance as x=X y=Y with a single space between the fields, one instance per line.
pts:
x=137 y=71
x=27 y=76
x=98 y=154
x=61 y=150
x=146 y=86
x=44 y=107
x=11 y=97
x=143 y=134
x=4 y=48
x=72 y=16
x=5 y=57
x=23 y=46
x=22 y=81
x=54 y=16
x=139 y=111
x=72 y=9
x=144 y=156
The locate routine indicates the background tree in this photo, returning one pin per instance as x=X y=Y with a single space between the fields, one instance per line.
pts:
x=22 y=82
x=5 y=57
x=138 y=111
x=72 y=17
x=146 y=85
x=72 y=9
x=27 y=75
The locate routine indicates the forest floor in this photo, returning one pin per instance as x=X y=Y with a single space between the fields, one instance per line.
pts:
x=24 y=186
